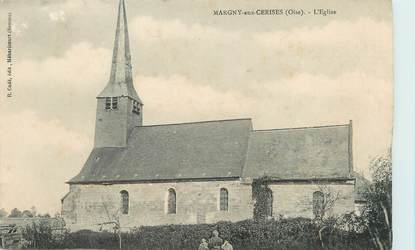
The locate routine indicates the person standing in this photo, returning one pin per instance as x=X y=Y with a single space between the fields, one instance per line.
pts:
x=227 y=246
x=215 y=243
x=204 y=245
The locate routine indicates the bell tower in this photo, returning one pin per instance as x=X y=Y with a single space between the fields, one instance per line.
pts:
x=119 y=109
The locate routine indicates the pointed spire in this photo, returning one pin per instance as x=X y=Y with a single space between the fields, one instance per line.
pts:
x=121 y=80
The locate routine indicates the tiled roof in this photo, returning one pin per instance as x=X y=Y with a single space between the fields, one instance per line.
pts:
x=214 y=149
x=222 y=149
x=299 y=153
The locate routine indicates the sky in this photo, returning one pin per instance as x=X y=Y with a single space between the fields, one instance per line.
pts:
x=188 y=65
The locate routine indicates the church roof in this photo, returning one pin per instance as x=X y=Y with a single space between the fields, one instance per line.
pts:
x=299 y=153
x=176 y=151
x=221 y=149
x=121 y=80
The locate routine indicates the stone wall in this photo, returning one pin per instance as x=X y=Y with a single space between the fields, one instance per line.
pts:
x=112 y=127
x=296 y=200
x=197 y=202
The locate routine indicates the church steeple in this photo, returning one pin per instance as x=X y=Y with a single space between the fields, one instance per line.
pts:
x=121 y=80
x=119 y=109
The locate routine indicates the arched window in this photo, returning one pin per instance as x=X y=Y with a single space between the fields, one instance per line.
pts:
x=125 y=200
x=318 y=202
x=171 y=201
x=223 y=199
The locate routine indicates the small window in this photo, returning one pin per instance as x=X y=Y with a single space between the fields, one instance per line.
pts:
x=318 y=202
x=115 y=103
x=111 y=103
x=125 y=200
x=171 y=202
x=136 y=107
x=108 y=103
x=223 y=199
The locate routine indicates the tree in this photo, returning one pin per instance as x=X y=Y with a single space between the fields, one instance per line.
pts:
x=328 y=200
x=3 y=213
x=27 y=213
x=46 y=215
x=33 y=210
x=263 y=199
x=15 y=213
x=113 y=219
x=378 y=210
x=323 y=201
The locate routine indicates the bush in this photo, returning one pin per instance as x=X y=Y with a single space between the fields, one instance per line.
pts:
x=39 y=235
x=378 y=209
x=292 y=234
x=90 y=239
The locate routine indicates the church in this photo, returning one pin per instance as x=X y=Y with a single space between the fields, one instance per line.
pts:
x=200 y=172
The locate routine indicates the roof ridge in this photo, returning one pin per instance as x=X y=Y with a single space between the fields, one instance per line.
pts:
x=196 y=122
x=309 y=127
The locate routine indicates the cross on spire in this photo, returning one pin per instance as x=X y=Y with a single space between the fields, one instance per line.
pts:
x=121 y=80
